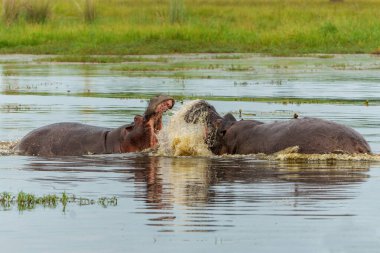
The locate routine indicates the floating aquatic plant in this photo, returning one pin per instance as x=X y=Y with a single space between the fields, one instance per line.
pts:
x=27 y=201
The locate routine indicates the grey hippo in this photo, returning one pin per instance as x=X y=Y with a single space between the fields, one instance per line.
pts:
x=226 y=135
x=73 y=139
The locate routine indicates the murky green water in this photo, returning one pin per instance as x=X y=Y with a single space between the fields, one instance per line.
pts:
x=187 y=204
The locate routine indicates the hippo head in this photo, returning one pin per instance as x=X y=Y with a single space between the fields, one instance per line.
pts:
x=156 y=107
x=201 y=111
x=142 y=133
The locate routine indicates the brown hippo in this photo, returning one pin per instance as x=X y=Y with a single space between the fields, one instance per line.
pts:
x=226 y=135
x=63 y=139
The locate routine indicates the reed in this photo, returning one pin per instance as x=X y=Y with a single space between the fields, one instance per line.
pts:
x=176 y=11
x=37 y=11
x=10 y=12
x=89 y=11
x=211 y=26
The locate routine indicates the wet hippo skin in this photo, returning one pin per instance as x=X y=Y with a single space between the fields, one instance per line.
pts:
x=67 y=138
x=226 y=135
x=311 y=135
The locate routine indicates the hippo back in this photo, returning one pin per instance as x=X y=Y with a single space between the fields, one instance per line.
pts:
x=311 y=135
x=62 y=139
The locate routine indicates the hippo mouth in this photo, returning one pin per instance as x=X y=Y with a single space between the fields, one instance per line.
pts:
x=164 y=106
x=156 y=107
x=203 y=112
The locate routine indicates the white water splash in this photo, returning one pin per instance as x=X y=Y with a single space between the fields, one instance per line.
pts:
x=6 y=147
x=291 y=153
x=183 y=139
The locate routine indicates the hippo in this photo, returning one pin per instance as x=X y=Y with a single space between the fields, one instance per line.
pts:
x=226 y=135
x=75 y=139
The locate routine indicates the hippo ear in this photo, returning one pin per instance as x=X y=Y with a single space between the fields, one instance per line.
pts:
x=138 y=119
x=229 y=117
x=225 y=123
x=218 y=124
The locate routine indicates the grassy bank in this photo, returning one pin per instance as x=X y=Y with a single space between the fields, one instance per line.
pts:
x=153 y=27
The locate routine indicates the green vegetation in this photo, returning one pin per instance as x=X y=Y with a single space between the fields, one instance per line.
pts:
x=176 y=66
x=154 y=67
x=180 y=98
x=27 y=201
x=89 y=11
x=37 y=11
x=176 y=11
x=84 y=59
x=100 y=59
x=14 y=108
x=10 y=11
x=171 y=26
x=227 y=56
x=239 y=68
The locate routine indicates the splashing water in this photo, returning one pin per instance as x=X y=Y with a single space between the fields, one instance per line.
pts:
x=180 y=138
x=6 y=147
x=291 y=153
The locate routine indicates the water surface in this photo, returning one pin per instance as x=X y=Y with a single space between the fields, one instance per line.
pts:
x=187 y=204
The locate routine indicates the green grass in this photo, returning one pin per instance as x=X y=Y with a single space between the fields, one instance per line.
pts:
x=154 y=67
x=239 y=68
x=27 y=201
x=101 y=59
x=176 y=11
x=10 y=11
x=224 y=26
x=180 y=98
x=37 y=11
x=227 y=57
x=89 y=11
x=174 y=66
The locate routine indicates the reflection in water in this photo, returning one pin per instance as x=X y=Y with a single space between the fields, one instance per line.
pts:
x=196 y=194
x=248 y=200
x=203 y=194
x=300 y=77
